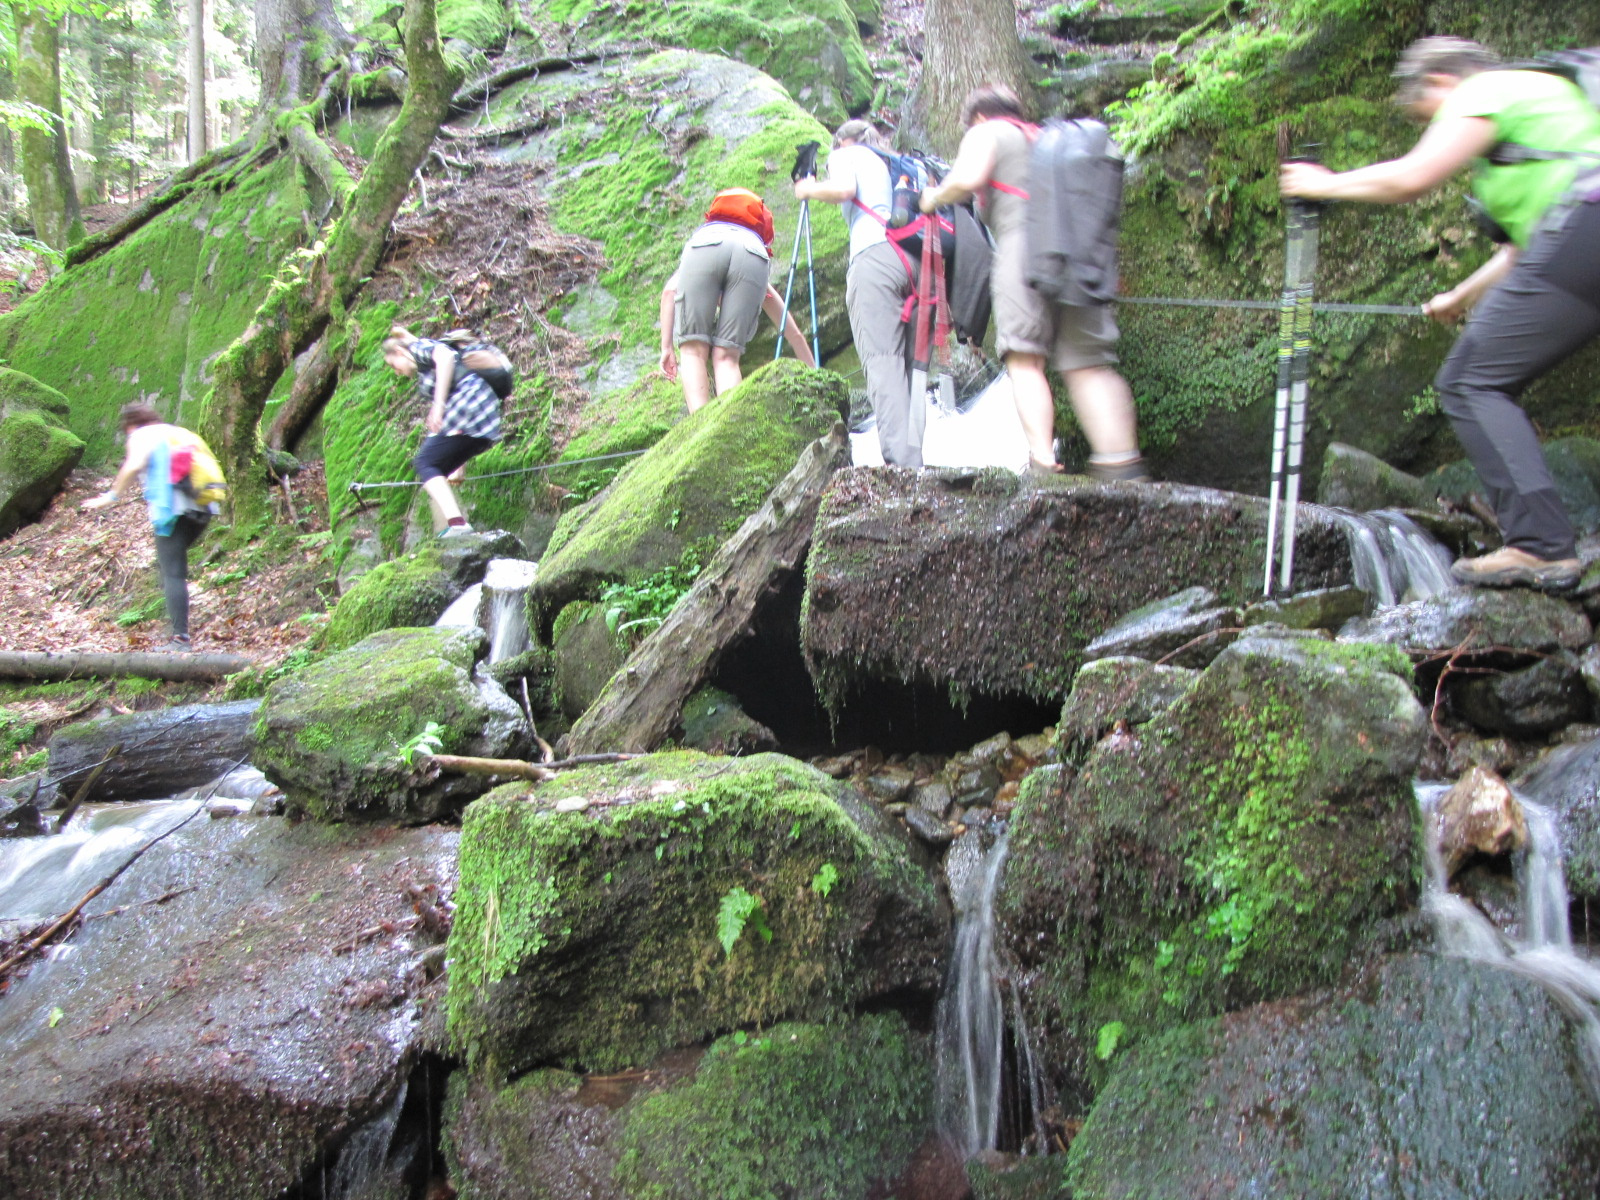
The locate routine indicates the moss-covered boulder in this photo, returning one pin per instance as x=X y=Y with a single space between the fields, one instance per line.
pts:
x=1247 y=844
x=1354 y=479
x=620 y=911
x=1574 y=465
x=332 y=734
x=981 y=582
x=617 y=423
x=838 y=1106
x=37 y=450
x=586 y=654
x=1429 y=1078
x=1476 y=618
x=1109 y=691
x=414 y=589
x=812 y=47
x=693 y=489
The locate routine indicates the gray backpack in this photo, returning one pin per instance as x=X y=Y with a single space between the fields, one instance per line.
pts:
x=1074 y=212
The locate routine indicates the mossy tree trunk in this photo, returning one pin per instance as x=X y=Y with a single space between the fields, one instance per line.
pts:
x=46 y=166
x=297 y=43
x=968 y=42
x=316 y=284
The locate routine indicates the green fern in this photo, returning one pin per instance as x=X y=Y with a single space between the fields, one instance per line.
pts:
x=737 y=910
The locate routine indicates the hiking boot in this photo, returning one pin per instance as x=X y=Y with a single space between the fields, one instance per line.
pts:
x=454 y=530
x=179 y=644
x=1039 y=470
x=1511 y=567
x=1132 y=471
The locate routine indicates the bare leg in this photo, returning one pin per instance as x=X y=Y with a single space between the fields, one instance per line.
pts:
x=1035 y=406
x=725 y=366
x=692 y=359
x=1103 y=404
x=444 y=500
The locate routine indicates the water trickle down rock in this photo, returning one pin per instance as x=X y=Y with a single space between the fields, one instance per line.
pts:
x=1478 y=815
x=503 y=611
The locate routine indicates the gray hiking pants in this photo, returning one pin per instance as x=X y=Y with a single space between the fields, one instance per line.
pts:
x=172 y=557
x=876 y=287
x=1546 y=309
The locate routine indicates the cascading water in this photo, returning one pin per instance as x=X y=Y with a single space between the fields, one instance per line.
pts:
x=498 y=606
x=973 y=1035
x=366 y=1167
x=1393 y=558
x=463 y=610
x=1545 y=952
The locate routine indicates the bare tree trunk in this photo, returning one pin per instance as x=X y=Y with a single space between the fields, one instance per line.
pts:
x=968 y=42
x=46 y=164
x=309 y=290
x=197 y=80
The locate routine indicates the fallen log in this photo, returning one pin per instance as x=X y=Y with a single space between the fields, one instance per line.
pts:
x=46 y=664
x=510 y=768
x=643 y=702
x=165 y=751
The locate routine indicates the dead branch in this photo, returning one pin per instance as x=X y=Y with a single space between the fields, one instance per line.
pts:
x=511 y=768
x=46 y=664
x=83 y=790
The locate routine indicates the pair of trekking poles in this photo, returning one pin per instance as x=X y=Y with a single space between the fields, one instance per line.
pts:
x=805 y=166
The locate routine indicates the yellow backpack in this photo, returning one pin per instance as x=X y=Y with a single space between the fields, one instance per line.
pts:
x=196 y=470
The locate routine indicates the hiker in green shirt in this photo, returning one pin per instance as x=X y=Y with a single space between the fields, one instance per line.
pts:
x=1533 y=140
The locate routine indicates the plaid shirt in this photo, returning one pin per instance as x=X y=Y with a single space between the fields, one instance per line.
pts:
x=473 y=410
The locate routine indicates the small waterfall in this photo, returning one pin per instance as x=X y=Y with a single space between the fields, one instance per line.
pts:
x=364 y=1169
x=974 y=1105
x=1545 y=953
x=1394 y=559
x=463 y=610
x=503 y=611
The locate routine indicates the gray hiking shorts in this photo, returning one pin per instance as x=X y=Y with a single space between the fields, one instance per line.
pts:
x=721 y=284
x=1069 y=336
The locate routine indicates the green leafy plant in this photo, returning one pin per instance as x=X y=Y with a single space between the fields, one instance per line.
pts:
x=1108 y=1039
x=737 y=910
x=140 y=613
x=427 y=743
x=822 y=882
x=647 y=603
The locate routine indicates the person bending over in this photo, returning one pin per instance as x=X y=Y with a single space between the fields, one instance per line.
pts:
x=711 y=305
x=992 y=164
x=176 y=515
x=463 y=417
x=1533 y=141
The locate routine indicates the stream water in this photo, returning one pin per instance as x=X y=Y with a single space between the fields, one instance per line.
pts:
x=1393 y=559
x=498 y=606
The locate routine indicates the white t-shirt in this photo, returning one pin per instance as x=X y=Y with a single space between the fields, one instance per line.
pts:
x=141 y=444
x=861 y=168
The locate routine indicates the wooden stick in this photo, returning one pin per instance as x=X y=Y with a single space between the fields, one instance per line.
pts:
x=83 y=790
x=512 y=768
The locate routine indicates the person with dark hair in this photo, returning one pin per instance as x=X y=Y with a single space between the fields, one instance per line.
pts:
x=1533 y=140
x=879 y=280
x=463 y=419
x=156 y=452
x=1080 y=340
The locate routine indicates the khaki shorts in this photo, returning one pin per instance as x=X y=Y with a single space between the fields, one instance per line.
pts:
x=721 y=284
x=1070 y=336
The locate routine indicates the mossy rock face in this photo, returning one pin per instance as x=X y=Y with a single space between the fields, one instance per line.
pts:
x=416 y=589
x=617 y=423
x=1574 y=465
x=1040 y=569
x=182 y=288
x=1112 y=690
x=1248 y=844
x=589 y=936
x=1566 y=780
x=330 y=735
x=812 y=47
x=1354 y=479
x=1429 y=1078
x=839 y=1106
x=714 y=722
x=692 y=490
x=1514 y=619
x=37 y=451
x=586 y=656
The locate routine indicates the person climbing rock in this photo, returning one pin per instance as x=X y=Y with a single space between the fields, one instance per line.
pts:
x=162 y=457
x=879 y=281
x=1080 y=340
x=463 y=419
x=711 y=305
x=1533 y=140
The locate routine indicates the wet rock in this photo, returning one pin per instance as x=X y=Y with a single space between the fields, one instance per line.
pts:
x=585 y=654
x=244 y=1011
x=928 y=828
x=1524 y=703
x=972 y=783
x=1247 y=844
x=22 y=821
x=841 y=1106
x=1123 y=23
x=1566 y=780
x=1589 y=669
x=163 y=751
x=1481 y=618
x=714 y=722
x=37 y=450
x=690 y=490
x=1359 y=481
x=1492 y=888
x=1167 y=625
x=330 y=735
x=1091 y=87
x=1491 y=753
x=592 y=938
x=415 y=589
x=933 y=797
x=1478 y=815
x=1038 y=748
x=1574 y=465
x=1109 y=690
x=897 y=551
x=889 y=785
x=1386 y=1082
x=1324 y=608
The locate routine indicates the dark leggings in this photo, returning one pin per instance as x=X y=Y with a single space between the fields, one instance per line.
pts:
x=442 y=453
x=1545 y=310
x=172 y=557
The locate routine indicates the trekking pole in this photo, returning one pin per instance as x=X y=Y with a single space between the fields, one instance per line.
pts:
x=1310 y=214
x=1280 y=411
x=811 y=280
x=805 y=167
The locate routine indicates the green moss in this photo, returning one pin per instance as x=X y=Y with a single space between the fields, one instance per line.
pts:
x=635 y=418
x=641 y=872
x=36 y=455
x=482 y=24
x=412 y=591
x=18 y=390
x=841 y=1107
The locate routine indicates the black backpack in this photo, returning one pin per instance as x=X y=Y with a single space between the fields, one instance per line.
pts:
x=483 y=359
x=1074 y=212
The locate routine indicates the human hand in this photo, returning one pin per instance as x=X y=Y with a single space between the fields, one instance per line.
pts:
x=1447 y=308
x=669 y=363
x=805 y=188
x=102 y=501
x=928 y=201
x=435 y=421
x=1303 y=180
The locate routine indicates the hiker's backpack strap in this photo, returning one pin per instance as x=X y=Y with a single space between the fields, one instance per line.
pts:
x=1019 y=193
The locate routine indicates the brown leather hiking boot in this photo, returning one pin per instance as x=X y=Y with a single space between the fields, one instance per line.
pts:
x=1510 y=567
